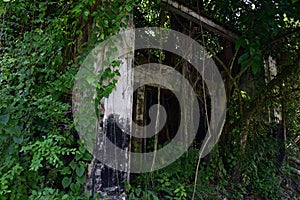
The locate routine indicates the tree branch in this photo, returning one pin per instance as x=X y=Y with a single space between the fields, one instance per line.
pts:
x=278 y=38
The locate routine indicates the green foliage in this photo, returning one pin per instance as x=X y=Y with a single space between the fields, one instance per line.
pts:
x=41 y=47
x=52 y=194
x=261 y=171
x=171 y=182
x=265 y=28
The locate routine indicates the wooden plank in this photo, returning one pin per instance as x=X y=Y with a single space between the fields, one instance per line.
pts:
x=187 y=13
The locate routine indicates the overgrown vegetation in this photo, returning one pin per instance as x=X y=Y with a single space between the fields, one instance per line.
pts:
x=42 y=45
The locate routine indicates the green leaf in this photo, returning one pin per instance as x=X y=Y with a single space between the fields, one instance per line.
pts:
x=18 y=140
x=81 y=180
x=66 y=170
x=111 y=59
x=128 y=8
x=244 y=60
x=138 y=191
x=256 y=63
x=73 y=165
x=239 y=42
x=4 y=119
x=105 y=63
x=86 y=13
x=1 y=11
x=117 y=63
x=294 y=1
x=66 y=182
x=254 y=69
x=80 y=171
x=252 y=50
x=87 y=157
x=75 y=187
x=90 y=79
x=117 y=72
x=82 y=149
x=78 y=156
x=15 y=130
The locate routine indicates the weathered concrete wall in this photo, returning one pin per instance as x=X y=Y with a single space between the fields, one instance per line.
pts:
x=116 y=122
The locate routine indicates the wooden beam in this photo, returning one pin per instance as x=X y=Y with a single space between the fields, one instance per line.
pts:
x=187 y=13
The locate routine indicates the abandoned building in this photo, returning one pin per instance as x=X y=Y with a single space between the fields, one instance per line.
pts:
x=133 y=102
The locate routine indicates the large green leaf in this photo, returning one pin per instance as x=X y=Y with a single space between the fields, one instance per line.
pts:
x=18 y=140
x=4 y=119
x=1 y=10
x=80 y=171
x=66 y=182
